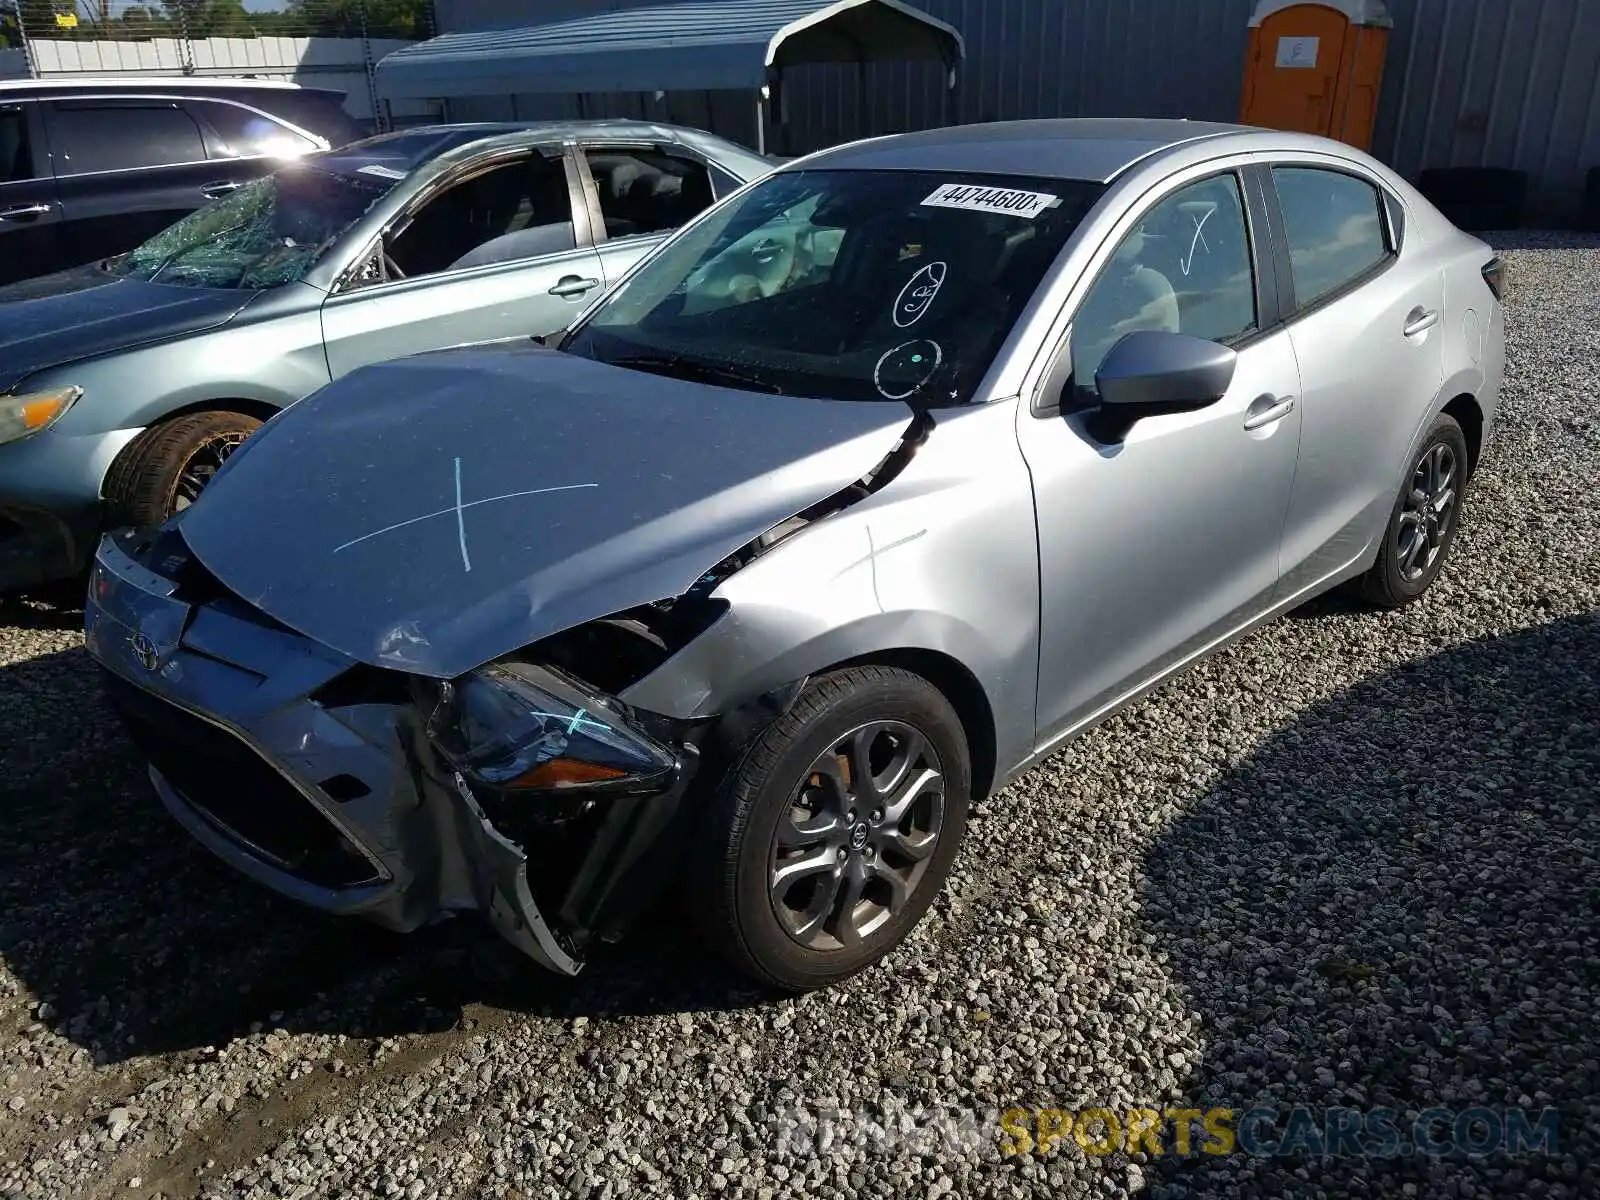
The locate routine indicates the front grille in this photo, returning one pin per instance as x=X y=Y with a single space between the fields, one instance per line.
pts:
x=226 y=781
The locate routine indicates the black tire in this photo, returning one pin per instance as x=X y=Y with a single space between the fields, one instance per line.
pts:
x=736 y=858
x=1405 y=570
x=159 y=472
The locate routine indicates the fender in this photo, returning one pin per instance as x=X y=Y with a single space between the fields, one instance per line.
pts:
x=1465 y=382
x=773 y=635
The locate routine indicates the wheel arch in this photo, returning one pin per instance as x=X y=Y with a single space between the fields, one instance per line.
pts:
x=262 y=410
x=960 y=687
x=753 y=652
x=259 y=409
x=126 y=482
x=1468 y=413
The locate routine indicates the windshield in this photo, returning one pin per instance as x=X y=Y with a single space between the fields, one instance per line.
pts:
x=849 y=285
x=268 y=233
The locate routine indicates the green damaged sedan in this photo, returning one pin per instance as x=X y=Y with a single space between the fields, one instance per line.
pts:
x=125 y=384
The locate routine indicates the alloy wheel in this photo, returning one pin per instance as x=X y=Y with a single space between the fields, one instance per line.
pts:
x=1423 y=525
x=201 y=465
x=855 y=842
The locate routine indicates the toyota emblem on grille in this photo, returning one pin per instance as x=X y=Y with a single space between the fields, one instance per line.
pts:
x=144 y=651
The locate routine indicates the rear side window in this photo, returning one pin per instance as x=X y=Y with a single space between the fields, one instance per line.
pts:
x=724 y=183
x=240 y=132
x=1335 y=228
x=16 y=162
x=122 y=137
x=319 y=112
x=644 y=191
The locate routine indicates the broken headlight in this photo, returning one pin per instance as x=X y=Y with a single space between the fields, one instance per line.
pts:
x=515 y=727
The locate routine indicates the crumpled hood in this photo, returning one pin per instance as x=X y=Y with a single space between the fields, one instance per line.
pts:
x=85 y=312
x=434 y=513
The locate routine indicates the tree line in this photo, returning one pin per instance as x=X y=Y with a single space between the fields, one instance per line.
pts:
x=116 y=19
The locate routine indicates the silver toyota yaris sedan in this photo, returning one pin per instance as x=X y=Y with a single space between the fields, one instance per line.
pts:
x=863 y=493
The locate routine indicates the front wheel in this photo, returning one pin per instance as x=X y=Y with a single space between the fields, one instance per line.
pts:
x=1422 y=526
x=832 y=834
x=166 y=467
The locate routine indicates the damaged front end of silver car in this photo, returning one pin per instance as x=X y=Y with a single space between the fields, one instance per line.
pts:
x=518 y=791
x=523 y=790
x=380 y=703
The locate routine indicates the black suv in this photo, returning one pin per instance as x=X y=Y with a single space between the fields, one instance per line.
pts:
x=91 y=168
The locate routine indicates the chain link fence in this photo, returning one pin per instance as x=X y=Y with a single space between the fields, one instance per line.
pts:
x=319 y=43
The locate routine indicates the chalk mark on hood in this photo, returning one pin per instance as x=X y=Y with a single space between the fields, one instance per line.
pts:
x=458 y=509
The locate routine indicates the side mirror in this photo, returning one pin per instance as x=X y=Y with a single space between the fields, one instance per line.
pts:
x=1151 y=372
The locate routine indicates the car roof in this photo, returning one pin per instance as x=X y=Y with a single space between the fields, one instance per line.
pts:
x=407 y=149
x=1090 y=149
x=148 y=83
x=646 y=131
x=415 y=144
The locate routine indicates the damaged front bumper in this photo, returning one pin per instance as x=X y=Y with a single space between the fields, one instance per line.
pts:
x=316 y=776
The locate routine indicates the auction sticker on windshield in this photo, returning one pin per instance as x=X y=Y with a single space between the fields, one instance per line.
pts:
x=1008 y=201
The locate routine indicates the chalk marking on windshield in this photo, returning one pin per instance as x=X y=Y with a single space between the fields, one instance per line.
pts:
x=381 y=171
x=919 y=293
x=458 y=509
x=917 y=360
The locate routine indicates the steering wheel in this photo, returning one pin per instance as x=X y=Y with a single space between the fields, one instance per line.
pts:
x=391 y=269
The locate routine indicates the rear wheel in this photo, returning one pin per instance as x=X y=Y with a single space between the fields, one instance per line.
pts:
x=830 y=837
x=166 y=467
x=1422 y=525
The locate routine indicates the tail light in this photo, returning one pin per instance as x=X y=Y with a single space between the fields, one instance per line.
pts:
x=1494 y=274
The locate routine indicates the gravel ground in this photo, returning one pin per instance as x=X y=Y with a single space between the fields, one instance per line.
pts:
x=1346 y=864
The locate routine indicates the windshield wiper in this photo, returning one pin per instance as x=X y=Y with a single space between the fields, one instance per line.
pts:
x=693 y=368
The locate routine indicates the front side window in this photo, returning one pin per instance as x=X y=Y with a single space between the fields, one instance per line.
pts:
x=849 y=285
x=1185 y=268
x=1335 y=228
x=268 y=233
x=506 y=213
x=645 y=191
x=16 y=162
x=122 y=137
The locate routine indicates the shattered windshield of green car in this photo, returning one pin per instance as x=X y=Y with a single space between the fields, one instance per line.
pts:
x=268 y=233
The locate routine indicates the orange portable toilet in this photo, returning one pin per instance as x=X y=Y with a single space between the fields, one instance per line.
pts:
x=1315 y=66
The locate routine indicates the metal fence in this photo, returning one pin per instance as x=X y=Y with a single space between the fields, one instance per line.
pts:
x=320 y=43
x=1499 y=83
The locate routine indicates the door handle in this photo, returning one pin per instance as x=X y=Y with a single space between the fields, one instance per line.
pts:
x=23 y=212
x=572 y=285
x=1420 y=320
x=1268 y=409
x=213 y=191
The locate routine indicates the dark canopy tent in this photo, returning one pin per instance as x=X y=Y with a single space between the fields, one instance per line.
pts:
x=698 y=45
